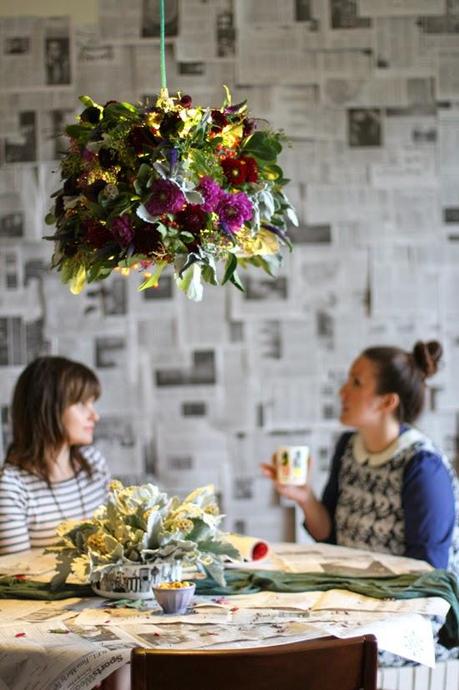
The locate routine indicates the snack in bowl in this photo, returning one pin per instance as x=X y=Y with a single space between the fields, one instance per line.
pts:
x=174 y=585
x=174 y=597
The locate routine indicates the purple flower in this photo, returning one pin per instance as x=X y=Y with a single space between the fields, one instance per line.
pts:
x=211 y=192
x=166 y=197
x=172 y=156
x=87 y=155
x=122 y=230
x=234 y=210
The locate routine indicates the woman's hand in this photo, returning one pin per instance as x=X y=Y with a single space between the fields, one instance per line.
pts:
x=317 y=518
x=299 y=494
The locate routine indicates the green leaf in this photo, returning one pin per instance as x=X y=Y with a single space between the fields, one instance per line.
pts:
x=274 y=171
x=63 y=567
x=141 y=181
x=142 y=212
x=76 y=131
x=200 y=532
x=268 y=202
x=291 y=215
x=129 y=107
x=227 y=100
x=262 y=145
x=209 y=274
x=162 y=229
x=95 y=209
x=237 y=281
x=50 y=219
x=189 y=280
x=88 y=102
x=153 y=280
x=221 y=548
x=194 y=197
x=186 y=236
x=215 y=571
x=269 y=263
x=230 y=267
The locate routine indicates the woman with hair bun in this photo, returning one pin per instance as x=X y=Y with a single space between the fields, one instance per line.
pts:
x=52 y=472
x=390 y=489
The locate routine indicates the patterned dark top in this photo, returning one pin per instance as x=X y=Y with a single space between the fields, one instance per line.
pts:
x=403 y=501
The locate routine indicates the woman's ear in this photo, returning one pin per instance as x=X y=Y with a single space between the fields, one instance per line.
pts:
x=391 y=402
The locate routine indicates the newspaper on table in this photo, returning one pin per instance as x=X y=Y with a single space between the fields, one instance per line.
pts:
x=90 y=638
x=77 y=663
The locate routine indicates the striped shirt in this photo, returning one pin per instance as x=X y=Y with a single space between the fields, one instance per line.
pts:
x=30 y=511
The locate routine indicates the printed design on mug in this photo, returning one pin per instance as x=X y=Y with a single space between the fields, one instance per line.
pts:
x=291 y=464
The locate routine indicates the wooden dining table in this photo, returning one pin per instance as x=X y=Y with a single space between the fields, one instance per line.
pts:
x=82 y=642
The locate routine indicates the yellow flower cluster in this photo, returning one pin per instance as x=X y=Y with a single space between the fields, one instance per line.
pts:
x=97 y=542
x=183 y=525
x=212 y=509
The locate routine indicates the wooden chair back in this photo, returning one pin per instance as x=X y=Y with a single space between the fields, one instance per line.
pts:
x=321 y=664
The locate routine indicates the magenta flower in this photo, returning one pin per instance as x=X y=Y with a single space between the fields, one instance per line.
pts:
x=166 y=197
x=233 y=210
x=122 y=230
x=211 y=192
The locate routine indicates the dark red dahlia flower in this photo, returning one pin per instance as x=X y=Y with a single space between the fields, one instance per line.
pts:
x=108 y=158
x=249 y=127
x=166 y=197
x=147 y=239
x=122 y=230
x=219 y=120
x=170 y=124
x=193 y=218
x=96 y=234
x=251 y=168
x=142 y=137
x=186 y=101
x=234 y=170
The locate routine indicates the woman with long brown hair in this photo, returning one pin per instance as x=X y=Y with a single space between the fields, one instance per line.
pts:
x=52 y=472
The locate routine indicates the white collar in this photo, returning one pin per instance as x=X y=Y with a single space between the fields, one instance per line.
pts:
x=362 y=455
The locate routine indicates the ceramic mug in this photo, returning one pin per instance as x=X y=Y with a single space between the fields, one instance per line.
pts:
x=292 y=465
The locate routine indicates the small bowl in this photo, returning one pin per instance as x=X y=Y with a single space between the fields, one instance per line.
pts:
x=174 y=599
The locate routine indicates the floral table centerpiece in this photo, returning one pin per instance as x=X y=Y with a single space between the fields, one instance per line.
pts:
x=141 y=527
x=169 y=183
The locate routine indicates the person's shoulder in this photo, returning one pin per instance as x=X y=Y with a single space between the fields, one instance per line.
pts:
x=421 y=447
x=13 y=478
x=95 y=459
x=426 y=460
x=343 y=441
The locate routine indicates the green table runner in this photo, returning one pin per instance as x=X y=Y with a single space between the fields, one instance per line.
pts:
x=437 y=583
x=12 y=587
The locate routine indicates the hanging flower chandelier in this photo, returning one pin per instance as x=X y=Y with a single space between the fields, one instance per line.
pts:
x=146 y=186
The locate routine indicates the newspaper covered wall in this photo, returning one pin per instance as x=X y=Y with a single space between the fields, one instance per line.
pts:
x=368 y=93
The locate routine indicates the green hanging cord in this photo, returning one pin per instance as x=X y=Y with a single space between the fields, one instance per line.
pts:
x=164 y=92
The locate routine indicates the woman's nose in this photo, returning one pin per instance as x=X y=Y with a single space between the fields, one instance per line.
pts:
x=94 y=414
